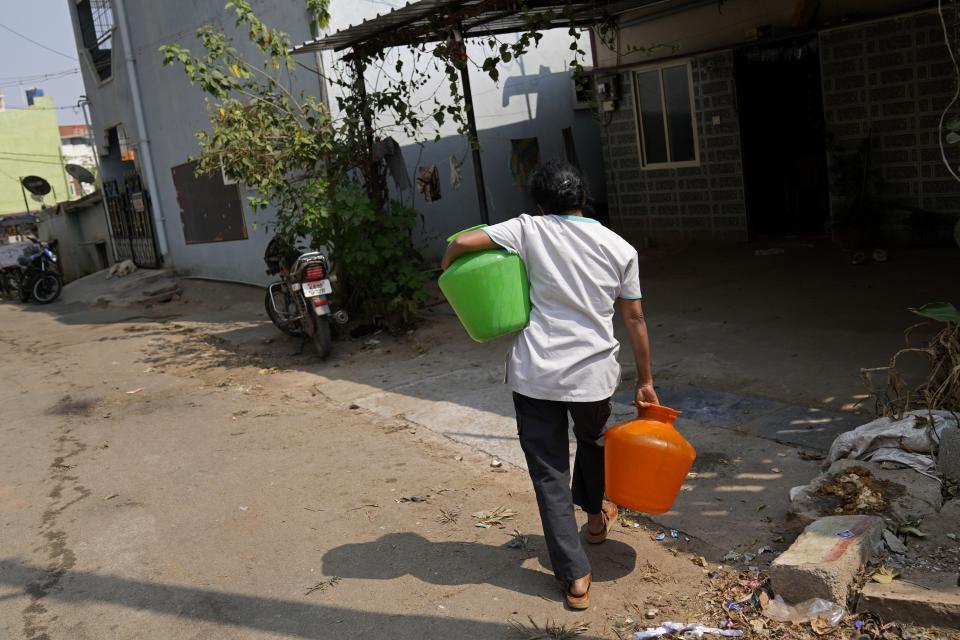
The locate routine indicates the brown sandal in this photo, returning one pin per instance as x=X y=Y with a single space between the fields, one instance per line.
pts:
x=580 y=602
x=609 y=513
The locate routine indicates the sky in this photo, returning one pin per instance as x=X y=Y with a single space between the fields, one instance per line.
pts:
x=48 y=23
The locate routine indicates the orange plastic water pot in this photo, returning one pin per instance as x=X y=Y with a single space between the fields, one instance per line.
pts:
x=646 y=461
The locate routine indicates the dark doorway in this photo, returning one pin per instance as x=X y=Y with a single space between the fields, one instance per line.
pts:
x=780 y=102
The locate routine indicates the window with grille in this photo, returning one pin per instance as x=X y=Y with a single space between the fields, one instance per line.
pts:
x=665 y=116
x=96 y=28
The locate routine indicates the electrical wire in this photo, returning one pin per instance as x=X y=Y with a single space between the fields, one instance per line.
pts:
x=956 y=94
x=20 y=83
x=32 y=155
x=39 y=44
x=46 y=162
x=38 y=76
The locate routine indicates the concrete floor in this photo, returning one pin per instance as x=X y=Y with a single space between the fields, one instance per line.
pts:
x=203 y=506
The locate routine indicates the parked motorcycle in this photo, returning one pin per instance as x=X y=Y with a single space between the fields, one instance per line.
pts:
x=298 y=302
x=37 y=276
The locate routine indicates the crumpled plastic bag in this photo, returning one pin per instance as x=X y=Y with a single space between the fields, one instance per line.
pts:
x=695 y=630
x=907 y=441
x=808 y=610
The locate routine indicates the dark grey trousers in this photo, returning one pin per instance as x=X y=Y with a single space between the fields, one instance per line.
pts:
x=543 y=429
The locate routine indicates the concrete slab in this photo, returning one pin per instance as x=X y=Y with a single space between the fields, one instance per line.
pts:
x=96 y=289
x=825 y=560
x=928 y=600
x=948 y=460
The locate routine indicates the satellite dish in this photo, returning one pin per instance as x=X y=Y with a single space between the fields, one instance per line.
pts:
x=36 y=185
x=80 y=173
x=36 y=197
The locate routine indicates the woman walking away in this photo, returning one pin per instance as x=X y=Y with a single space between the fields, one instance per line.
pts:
x=565 y=361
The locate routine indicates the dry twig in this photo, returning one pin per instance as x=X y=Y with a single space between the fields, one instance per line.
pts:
x=940 y=389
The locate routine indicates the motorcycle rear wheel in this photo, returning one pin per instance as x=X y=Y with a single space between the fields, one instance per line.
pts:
x=46 y=288
x=322 y=339
x=285 y=303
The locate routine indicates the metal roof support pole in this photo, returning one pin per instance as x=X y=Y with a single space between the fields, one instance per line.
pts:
x=370 y=169
x=474 y=142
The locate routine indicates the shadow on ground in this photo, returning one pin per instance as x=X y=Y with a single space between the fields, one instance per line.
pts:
x=464 y=563
x=282 y=617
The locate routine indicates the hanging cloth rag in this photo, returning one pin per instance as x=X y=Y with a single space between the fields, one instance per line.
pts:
x=388 y=152
x=456 y=173
x=428 y=182
x=524 y=157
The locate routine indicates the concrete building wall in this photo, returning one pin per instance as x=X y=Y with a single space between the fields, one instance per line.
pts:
x=174 y=110
x=77 y=232
x=892 y=80
x=712 y=25
x=694 y=203
x=534 y=98
x=30 y=145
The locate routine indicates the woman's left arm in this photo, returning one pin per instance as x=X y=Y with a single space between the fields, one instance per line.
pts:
x=469 y=242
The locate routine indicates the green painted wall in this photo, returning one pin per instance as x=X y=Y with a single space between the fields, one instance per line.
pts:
x=30 y=145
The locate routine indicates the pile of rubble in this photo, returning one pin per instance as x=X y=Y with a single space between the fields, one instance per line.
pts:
x=883 y=521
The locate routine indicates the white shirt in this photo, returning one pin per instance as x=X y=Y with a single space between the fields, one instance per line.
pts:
x=577 y=269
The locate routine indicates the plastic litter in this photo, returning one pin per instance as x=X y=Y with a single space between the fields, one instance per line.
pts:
x=133 y=391
x=660 y=536
x=493 y=518
x=910 y=441
x=694 y=630
x=806 y=611
x=674 y=534
x=846 y=534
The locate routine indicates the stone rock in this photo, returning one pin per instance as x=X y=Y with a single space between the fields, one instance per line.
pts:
x=948 y=460
x=826 y=559
x=928 y=600
x=893 y=542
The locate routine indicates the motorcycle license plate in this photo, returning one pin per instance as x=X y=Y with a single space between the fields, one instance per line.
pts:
x=314 y=289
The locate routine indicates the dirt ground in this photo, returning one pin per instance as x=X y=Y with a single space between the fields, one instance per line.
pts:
x=154 y=485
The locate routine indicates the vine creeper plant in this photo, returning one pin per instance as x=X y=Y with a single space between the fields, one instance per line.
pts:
x=316 y=171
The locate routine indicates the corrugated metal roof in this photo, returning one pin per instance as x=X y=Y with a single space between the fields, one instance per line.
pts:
x=423 y=21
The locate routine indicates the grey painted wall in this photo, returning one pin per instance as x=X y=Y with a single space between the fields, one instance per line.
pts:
x=538 y=103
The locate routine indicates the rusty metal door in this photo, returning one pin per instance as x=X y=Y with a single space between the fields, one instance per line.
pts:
x=131 y=222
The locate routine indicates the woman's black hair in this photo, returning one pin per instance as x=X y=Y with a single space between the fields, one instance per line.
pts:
x=558 y=187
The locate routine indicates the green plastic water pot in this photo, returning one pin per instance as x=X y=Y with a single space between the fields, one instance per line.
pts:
x=489 y=292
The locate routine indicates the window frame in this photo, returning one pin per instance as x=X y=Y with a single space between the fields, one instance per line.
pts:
x=638 y=116
x=86 y=49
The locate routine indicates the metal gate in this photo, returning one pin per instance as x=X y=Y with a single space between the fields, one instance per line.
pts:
x=131 y=222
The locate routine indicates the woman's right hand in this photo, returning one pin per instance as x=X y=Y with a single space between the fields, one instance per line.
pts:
x=646 y=395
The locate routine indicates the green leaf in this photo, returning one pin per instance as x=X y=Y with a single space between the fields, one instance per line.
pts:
x=940 y=311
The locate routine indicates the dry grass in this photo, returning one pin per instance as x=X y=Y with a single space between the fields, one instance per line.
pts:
x=941 y=388
x=551 y=631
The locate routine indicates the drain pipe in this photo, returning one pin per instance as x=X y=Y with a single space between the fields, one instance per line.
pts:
x=144 y=141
